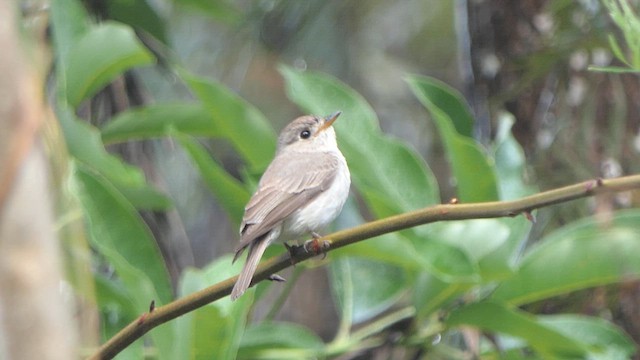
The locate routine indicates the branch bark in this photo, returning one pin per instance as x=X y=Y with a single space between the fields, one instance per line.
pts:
x=444 y=212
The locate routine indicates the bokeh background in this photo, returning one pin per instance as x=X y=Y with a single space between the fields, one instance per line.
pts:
x=528 y=59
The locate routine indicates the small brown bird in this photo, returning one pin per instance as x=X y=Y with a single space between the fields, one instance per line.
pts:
x=302 y=190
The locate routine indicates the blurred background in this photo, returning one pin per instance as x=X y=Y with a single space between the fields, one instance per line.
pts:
x=527 y=58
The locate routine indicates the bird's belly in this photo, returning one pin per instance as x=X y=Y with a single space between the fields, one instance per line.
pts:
x=323 y=209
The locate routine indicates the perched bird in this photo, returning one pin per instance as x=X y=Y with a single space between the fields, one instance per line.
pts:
x=302 y=190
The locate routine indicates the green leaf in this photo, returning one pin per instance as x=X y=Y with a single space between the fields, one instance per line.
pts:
x=99 y=56
x=283 y=340
x=584 y=254
x=382 y=168
x=69 y=23
x=360 y=297
x=473 y=170
x=446 y=261
x=409 y=250
x=138 y=14
x=430 y=293
x=85 y=145
x=122 y=236
x=490 y=316
x=391 y=249
x=112 y=296
x=141 y=292
x=510 y=161
x=116 y=312
x=442 y=97
x=624 y=15
x=145 y=198
x=476 y=251
x=229 y=192
x=614 y=69
x=604 y=339
x=237 y=121
x=220 y=10
x=159 y=120
x=476 y=238
x=498 y=264
x=617 y=52
x=215 y=330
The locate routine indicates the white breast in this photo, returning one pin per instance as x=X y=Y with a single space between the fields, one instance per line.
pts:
x=325 y=207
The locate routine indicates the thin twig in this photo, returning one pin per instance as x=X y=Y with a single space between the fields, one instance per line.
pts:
x=445 y=212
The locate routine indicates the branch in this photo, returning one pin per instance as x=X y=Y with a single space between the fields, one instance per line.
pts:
x=445 y=212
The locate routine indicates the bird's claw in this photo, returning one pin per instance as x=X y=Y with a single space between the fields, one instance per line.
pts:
x=316 y=246
x=276 y=277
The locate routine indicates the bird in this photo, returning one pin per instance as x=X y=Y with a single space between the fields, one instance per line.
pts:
x=302 y=190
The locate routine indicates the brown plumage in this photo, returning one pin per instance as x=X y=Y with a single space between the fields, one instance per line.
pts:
x=303 y=189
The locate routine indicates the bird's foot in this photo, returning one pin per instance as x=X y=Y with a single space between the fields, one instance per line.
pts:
x=317 y=246
x=276 y=277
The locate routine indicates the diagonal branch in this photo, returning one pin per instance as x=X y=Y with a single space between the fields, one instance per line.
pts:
x=445 y=212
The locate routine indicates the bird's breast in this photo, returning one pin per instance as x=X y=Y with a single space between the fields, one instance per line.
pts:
x=325 y=207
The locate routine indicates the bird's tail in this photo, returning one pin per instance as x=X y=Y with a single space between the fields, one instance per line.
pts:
x=256 y=249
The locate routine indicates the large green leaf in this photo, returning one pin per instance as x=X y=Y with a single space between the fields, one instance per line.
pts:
x=477 y=251
x=408 y=251
x=446 y=261
x=215 y=330
x=394 y=248
x=391 y=249
x=103 y=53
x=138 y=14
x=220 y=10
x=585 y=254
x=120 y=235
x=380 y=166
x=431 y=293
x=159 y=120
x=495 y=317
x=85 y=145
x=236 y=120
x=281 y=341
x=116 y=227
x=476 y=238
x=69 y=23
x=141 y=291
x=473 y=170
x=499 y=263
x=604 y=339
x=229 y=192
x=117 y=311
x=360 y=298
x=442 y=97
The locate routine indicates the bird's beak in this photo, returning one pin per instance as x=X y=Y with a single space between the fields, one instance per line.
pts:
x=328 y=121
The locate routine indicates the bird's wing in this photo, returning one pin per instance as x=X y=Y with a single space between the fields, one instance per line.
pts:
x=290 y=182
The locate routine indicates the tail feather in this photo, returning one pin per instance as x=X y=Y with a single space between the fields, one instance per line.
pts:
x=256 y=249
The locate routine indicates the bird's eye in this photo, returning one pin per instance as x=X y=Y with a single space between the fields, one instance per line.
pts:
x=305 y=134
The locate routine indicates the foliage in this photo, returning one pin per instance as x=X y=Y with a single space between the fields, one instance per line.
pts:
x=623 y=15
x=442 y=278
